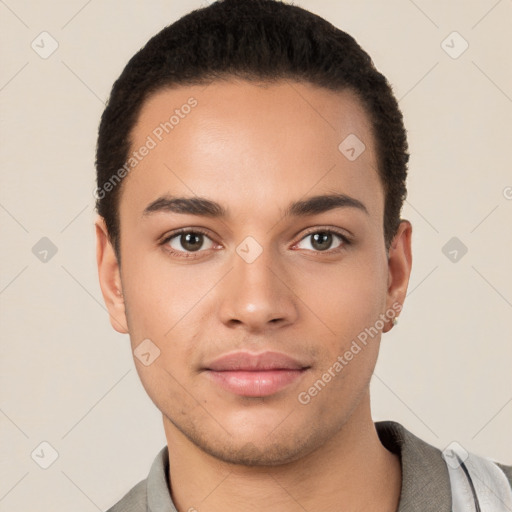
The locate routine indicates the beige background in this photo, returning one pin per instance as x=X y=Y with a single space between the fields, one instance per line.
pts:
x=68 y=379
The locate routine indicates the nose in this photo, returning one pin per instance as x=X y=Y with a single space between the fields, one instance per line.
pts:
x=257 y=295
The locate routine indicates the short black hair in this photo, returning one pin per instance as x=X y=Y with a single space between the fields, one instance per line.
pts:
x=255 y=40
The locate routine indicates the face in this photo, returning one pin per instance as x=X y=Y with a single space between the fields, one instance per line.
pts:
x=254 y=262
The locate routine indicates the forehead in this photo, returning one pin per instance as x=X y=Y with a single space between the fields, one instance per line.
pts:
x=252 y=147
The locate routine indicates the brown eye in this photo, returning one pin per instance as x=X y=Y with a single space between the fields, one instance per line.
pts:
x=323 y=241
x=189 y=241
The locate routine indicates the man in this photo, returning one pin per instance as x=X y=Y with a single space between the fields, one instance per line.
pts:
x=251 y=172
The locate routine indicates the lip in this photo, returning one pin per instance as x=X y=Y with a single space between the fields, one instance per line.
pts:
x=255 y=375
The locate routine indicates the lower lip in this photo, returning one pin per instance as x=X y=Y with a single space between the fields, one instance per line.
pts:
x=255 y=383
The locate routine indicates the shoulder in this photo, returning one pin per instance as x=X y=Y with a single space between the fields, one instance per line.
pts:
x=152 y=493
x=426 y=476
x=396 y=438
x=133 y=501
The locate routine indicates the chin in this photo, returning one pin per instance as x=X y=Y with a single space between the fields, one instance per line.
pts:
x=260 y=454
x=257 y=447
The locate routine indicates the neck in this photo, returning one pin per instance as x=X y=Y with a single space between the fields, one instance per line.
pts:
x=352 y=468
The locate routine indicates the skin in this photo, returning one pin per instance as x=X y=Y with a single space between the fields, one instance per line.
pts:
x=254 y=149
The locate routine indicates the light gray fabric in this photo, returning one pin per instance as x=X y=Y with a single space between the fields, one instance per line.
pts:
x=425 y=479
x=472 y=475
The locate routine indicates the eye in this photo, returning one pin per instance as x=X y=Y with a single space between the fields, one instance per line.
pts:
x=323 y=240
x=188 y=242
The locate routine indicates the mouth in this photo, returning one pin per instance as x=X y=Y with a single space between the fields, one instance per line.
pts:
x=255 y=375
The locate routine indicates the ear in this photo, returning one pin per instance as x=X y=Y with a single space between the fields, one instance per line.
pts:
x=399 y=269
x=110 y=277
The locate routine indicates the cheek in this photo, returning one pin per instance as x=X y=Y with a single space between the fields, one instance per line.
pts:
x=347 y=297
x=161 y=297
x=169 y=386
x=165 y=304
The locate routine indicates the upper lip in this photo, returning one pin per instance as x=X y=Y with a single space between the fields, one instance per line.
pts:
x=247 y=361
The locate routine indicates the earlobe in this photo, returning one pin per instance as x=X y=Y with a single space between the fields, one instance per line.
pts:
x=399 y=269
x=110 y=278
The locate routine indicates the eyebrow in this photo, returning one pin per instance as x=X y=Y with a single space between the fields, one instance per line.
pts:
x=208 y=208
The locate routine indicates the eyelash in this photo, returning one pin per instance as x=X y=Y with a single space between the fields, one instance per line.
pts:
x=183 y=254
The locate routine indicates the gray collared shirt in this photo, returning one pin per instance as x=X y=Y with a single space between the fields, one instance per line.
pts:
x=425 y=479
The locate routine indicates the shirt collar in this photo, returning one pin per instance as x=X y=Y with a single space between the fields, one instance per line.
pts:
x=425 y=478
x=158 y=491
